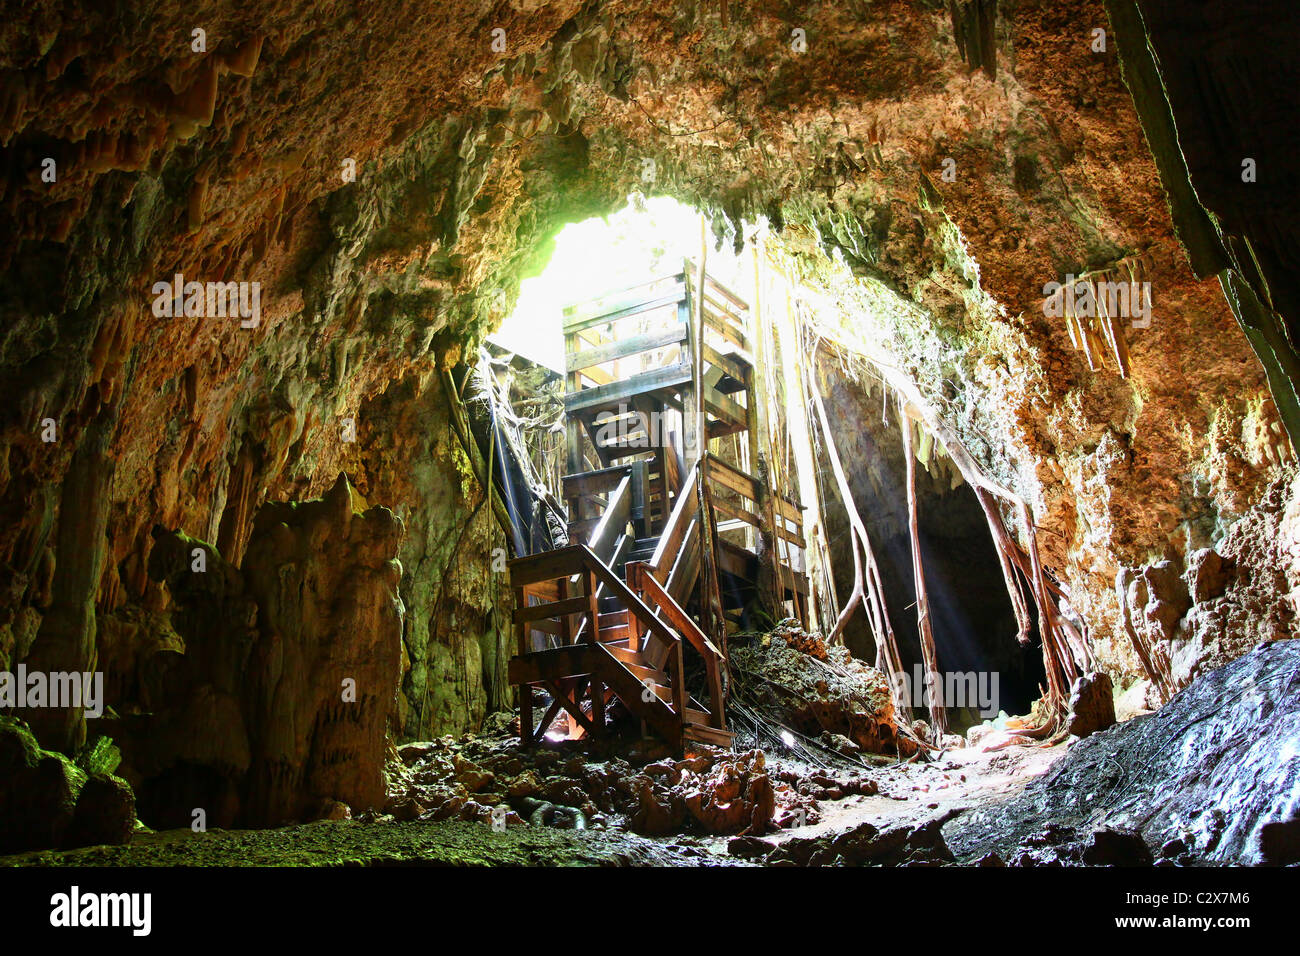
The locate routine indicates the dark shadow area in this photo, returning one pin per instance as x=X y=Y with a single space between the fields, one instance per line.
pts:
x=972 y=619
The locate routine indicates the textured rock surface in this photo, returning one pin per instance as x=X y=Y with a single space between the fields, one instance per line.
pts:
x=817 y=690
x=1212 y=775
x=48 y=801
x=289 y=674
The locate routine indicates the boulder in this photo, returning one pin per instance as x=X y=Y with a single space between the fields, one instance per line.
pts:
x=1092 y=705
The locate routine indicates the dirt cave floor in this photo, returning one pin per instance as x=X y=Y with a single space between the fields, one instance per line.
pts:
x=912 y=797
x=1209 y=779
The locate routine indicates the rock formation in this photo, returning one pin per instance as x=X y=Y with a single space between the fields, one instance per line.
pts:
x=281 y=694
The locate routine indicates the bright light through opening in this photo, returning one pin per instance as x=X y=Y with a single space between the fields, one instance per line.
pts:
x=647 y=238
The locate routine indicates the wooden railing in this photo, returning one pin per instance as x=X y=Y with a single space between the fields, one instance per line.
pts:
x=672 y=538
x=641 y=578
x=740 y=496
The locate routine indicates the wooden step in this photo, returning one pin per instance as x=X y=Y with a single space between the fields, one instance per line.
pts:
x=619 y=632
x=629 y=689
x=657 y=678
x=574 y=660
x=708 y=735
x=613 y=619
x=629 y=656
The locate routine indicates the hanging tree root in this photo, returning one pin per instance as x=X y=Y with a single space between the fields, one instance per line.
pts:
x=933 y=682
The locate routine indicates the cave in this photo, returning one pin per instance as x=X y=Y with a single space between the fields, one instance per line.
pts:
x=660 y=434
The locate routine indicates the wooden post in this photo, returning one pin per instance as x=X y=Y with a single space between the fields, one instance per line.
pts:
x=572 y=426
x=696 y=411
x=677 y=674
x=525 y=689
x=690 y=421
x=593 y=637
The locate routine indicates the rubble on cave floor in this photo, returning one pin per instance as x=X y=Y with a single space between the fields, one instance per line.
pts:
x=789 y=682
x=1153 y=790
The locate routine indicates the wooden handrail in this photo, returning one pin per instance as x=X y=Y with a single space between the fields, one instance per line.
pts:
x=617 y=513
x=670 y=538
x=622 y=290
x=636 y=608
x=654 y=591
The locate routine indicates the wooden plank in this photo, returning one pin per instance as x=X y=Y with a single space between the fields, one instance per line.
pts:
x=574 y=708
x=596 y=376
x=593 y=482
x=729 y=476
x=792 y=537
x=613 y=522
x=573 y=605
x=726 y=330
x=736 y=561
x=628 y=656
x=623 y=308
x=546 y=566
x=708 y=735
x=613 y=619
x=720 y=406
x=547 y=627
x=800 y=584
x=677 y=617
x=732 y=363
x=547 y=719
x=622 y=348
x=641 y=670
x=638 y=611
x=667 y=377
x=680 y=579
x=670 y=538
x=677 y=672
x=738 y=513
x=573 y=660
x=544 y=591
x=726 y=313
x=736 y=300
x=645 y=287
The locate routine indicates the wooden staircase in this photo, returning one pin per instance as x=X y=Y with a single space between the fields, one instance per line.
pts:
x=668 y=534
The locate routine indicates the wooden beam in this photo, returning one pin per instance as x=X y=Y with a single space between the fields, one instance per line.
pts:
x=573 y=707
x=573 y=605
x=624 y=308
x=533 y=568
x=667 y=377
x=622 y=348
x=573 y=660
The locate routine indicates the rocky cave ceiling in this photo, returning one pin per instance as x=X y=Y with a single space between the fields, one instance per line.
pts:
x=472 y=146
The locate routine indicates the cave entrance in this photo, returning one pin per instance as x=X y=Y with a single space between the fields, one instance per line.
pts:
x=984 y=667
x=648 y=237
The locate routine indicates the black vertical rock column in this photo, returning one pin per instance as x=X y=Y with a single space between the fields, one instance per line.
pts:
x=1210 y=82
x=66 y=639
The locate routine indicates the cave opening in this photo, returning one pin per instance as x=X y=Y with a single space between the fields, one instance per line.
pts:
x=986 y=671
